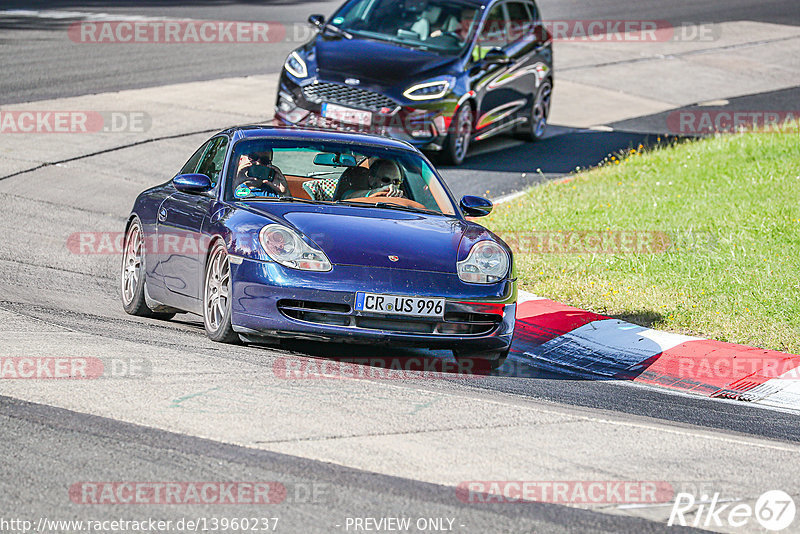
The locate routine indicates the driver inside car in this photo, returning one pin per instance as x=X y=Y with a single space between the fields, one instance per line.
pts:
x=256 y=176
x=385 y=179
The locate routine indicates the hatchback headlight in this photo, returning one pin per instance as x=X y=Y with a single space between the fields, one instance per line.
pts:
x=288 y=248
x=486 y=263
x=296 y=65
x=427 y=90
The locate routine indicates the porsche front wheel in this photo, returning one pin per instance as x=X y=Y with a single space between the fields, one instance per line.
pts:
x=217 y=296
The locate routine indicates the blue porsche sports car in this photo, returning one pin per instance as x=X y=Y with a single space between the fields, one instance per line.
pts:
x=271 y=232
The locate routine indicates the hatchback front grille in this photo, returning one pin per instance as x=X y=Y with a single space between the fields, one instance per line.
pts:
x=347 y=96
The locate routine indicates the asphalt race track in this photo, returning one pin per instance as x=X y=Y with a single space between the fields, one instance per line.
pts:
x=32 y=49
x=182 y=408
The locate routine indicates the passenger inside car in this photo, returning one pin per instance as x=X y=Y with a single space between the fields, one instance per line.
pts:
x=383 y=178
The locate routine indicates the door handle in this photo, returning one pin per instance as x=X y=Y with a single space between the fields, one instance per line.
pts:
x=162 y=215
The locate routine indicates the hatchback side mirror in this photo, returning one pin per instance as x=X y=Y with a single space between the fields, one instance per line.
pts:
x=496 y=56
x=473 y=206
x=192 y=183
x=316 y=20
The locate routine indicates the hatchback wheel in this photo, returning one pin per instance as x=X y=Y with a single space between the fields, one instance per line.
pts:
x=540 y=112
x=457 y=144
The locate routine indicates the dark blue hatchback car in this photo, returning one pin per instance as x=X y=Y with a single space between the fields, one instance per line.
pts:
x=436 y=73
x=320 y=235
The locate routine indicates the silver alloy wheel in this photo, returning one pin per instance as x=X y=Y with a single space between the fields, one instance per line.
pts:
x=541 y=110
x=217 y=290
x=132 y=263
x=463 y=132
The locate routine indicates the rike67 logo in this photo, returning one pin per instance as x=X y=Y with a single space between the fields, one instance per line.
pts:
x=774 y=511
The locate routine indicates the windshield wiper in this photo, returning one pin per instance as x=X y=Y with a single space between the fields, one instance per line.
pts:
x=284 y=199
x=387 y=205
x=392 y=206
x=338 y=31
x=384 y=38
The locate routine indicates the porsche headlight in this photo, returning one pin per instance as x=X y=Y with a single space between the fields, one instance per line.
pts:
x=296 y=65
x=427 y=90
x=288 y=248
x=486 y=263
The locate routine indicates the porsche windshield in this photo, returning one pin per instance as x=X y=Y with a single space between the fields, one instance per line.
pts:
x=268 y=169
x=442 y=26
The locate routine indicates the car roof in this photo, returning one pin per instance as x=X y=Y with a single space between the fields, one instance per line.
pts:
x=314 y=134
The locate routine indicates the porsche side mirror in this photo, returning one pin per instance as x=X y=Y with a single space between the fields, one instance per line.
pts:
x=192 y=183
x=316 y=20
x=473 y=206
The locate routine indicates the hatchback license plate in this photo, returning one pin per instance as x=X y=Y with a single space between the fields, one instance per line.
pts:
x=399 y=305
x=347 y=115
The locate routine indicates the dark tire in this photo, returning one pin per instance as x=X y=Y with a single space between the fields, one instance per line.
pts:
x=133 y=275
x=536 y=126
x=483 y=361
x=458 y=140
x=216 y=296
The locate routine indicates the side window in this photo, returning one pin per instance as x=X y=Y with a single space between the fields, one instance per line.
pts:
x=214 y=159
x=493 y=33
x=534 y=11
x=520 y=21
x=191 y=165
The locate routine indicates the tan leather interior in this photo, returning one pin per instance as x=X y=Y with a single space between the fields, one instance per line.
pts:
x=297 y=191
x=296 y=186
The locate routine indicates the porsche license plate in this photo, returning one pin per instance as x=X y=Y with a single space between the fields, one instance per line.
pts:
x=399 y=305
x=347 y=115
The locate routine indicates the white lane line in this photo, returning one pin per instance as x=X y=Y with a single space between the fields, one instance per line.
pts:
x=509 y=197
x=524 y=296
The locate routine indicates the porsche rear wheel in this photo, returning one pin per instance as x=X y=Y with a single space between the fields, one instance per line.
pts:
x=133 y=275
x=216 y=296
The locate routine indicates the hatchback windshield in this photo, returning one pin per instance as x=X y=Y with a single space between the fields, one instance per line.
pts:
x=443 y=26
x=268 y=169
